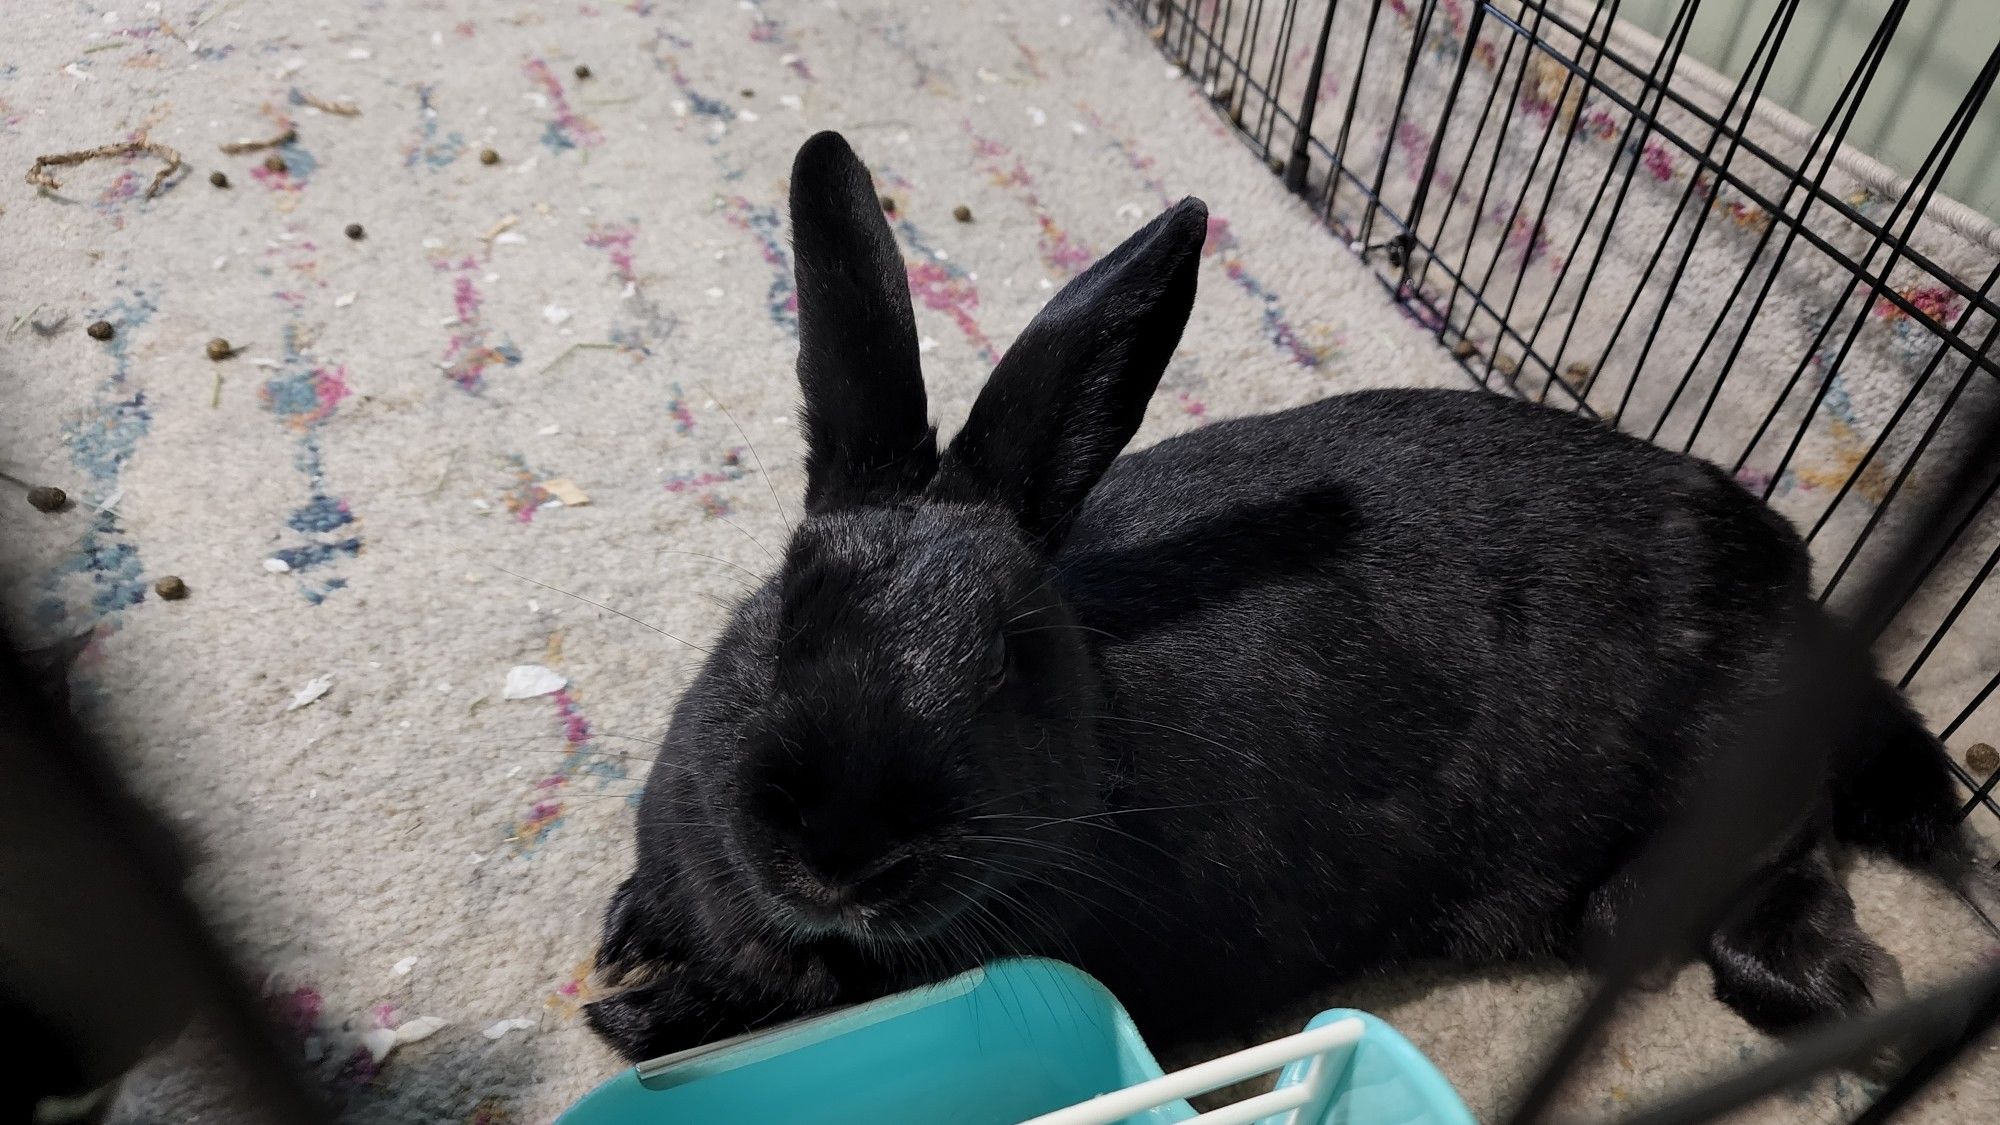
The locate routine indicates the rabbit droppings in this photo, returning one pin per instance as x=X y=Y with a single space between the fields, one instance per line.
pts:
x=1395 y=675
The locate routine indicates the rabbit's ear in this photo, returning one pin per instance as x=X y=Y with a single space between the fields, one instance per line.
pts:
x=868 y=438
x=1073 y=388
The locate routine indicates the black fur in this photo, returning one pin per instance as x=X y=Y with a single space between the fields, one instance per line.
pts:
x=1087 y=365
x=1794 y=954
x=867 y=437
x=1395 y=675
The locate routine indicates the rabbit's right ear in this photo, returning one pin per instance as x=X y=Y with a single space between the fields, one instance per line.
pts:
x=868 y=436
x=1073 y=388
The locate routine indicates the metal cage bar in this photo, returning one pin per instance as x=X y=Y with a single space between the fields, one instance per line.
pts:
x=1540 y=123
x=1472 y=78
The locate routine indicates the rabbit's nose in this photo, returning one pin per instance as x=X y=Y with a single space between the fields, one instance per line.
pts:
x=853 y=882
x=820 y=891
x=883 y=864
x=850 y=863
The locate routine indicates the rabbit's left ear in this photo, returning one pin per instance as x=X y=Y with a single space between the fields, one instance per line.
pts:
x=1073 y=388
x=868 y=436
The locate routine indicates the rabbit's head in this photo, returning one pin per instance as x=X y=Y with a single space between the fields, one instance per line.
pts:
x=892 y=721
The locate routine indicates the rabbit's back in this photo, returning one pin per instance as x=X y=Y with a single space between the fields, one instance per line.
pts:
x=1420 y=639
x=1437 y=513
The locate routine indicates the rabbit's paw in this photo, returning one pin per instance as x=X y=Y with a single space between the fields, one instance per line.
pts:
x=1795 y=956
x=655 y=1010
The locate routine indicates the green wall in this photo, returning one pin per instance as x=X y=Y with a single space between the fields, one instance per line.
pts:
x=1936 y=54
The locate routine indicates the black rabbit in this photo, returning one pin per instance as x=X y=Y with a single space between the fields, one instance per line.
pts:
x=1395 y=675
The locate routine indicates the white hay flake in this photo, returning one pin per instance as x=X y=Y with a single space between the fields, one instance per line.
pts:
x=501 y=1027
x=305 y=696
x=383 y=1040
x=565 y=490
x=526 y=681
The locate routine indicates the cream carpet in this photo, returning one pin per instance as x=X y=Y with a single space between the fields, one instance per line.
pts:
x=573 y=364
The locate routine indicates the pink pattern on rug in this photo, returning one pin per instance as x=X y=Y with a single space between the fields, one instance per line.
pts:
x=526 y=496
x=468 y=355
x=1062 y=254
x=935 y=280
x=700 y=481
x=566 y=129
x=767 y=30
x=615 y=239
x=1934 y=301
x=546 y=809
x=653 y=323
x=683 y=416
x=946 y=290
x=762 y=224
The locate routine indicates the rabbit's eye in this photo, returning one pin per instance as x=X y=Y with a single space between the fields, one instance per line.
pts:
x=996 y=661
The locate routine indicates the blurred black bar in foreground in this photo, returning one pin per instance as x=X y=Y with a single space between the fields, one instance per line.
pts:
x=1752 y=801
x=102 y=958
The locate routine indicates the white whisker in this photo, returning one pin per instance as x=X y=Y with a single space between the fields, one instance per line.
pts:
x=754 y=456
x=605 y=608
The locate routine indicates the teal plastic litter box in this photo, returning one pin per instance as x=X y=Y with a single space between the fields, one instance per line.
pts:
x=1019 y=1041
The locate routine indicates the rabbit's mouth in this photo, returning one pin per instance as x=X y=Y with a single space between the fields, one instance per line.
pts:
x=865 y=926
x=862 y=923
x=884 y=902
